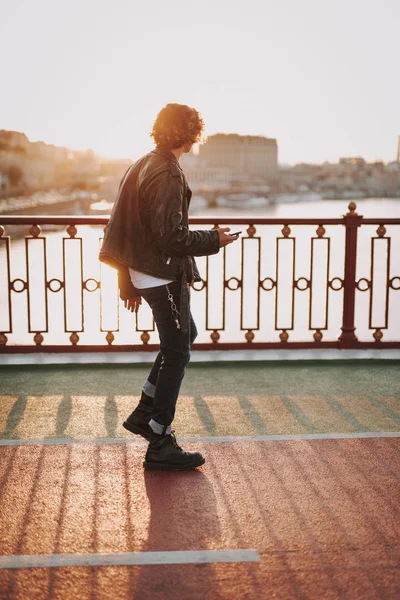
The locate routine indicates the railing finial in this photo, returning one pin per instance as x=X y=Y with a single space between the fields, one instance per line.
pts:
x=38 y=338
x=72 y=231
x=381 y=231
x=352 y=209
x=35 y=231
x=145 y=337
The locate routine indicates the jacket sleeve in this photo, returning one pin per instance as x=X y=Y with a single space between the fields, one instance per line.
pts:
x=126 y=288
x=166 y=223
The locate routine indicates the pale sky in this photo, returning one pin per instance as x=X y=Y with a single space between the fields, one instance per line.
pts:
x=322 y=76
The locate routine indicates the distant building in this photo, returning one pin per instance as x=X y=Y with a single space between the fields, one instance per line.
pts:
x=393 y=167
x=13 y=141
x=248 y=156
x=202 y=176
x=48 y=152
x=44 y=165
x=350 y=178
x=353 y=161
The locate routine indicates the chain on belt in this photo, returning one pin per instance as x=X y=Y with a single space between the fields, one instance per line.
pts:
x=174 y=310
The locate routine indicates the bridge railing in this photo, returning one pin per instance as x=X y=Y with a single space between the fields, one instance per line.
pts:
x=287 y=283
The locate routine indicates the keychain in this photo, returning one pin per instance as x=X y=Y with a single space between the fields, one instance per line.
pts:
x=175 y=312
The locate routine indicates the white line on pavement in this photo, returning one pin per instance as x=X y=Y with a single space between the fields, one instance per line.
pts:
x=205 y=439
x=128 y=558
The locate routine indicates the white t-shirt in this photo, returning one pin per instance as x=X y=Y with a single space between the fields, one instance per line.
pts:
x=141 y=281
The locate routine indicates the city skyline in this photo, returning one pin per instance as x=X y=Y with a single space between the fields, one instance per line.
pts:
x=320 y=78
x=196 y=149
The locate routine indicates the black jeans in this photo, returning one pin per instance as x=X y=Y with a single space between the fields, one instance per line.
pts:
x=169 y=367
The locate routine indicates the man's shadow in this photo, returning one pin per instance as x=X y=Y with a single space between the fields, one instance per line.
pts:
x=183 y=517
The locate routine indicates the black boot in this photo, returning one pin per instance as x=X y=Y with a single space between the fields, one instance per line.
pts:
x=138 y=421
x=164 y=454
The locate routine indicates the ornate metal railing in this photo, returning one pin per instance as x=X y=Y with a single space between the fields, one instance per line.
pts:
x=288 y=283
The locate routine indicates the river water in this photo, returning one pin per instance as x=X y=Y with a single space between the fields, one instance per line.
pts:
x=258 y=310
x=369 y=208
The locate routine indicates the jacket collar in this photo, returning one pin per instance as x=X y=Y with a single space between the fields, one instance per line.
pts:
x=167 y=153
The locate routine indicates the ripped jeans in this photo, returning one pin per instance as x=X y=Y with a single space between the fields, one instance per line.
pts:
x=169 y=367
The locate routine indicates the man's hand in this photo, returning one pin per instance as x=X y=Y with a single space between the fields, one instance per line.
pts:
x=133 y=303
x=224 y=238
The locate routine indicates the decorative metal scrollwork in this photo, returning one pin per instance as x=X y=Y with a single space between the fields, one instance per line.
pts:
x=333 y=286
x=301 y=287
x=24 y=285
x=91 y=288
x=229 y=285
x=51 y=286
x=392 y=285
x=271 y=284
x=361 y=287
x=199 y=285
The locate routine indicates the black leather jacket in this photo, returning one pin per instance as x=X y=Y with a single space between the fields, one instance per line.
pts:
x=148 y=227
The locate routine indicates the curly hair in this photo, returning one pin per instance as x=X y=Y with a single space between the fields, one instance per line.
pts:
x=177 y=124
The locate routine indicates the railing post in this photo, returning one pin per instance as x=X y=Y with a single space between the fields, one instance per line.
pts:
x=352 y=222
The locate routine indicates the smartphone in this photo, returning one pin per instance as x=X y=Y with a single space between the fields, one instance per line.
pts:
x=236 y=233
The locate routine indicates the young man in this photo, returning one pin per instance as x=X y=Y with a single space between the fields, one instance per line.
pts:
x=148 y=240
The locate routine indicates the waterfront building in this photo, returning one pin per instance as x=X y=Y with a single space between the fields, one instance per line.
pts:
x=202 y=176
x=248 y=156
x=353 y=161
x=44 y=165
x=13 y=141
x=394 y=167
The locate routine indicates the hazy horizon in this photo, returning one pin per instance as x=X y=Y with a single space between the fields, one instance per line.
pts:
x=123 y=158
x=321 y=78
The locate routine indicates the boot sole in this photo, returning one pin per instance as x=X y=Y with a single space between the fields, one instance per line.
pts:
x=153 y=466
x=136 y=430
